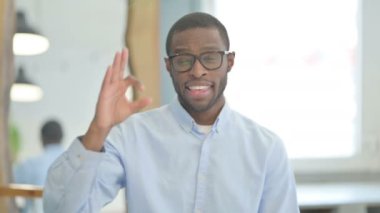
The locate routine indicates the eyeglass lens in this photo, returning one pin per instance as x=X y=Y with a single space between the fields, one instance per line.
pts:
x=209 y=60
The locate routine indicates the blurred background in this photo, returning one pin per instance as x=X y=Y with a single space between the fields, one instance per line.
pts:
x=307 y=69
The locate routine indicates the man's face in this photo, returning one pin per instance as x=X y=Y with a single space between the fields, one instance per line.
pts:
x=200 y=90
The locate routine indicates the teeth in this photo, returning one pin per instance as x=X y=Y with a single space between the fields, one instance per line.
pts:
x=198 y=87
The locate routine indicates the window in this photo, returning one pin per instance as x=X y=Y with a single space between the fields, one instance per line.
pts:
x=296 y=71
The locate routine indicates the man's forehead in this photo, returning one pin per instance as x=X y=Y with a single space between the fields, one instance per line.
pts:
x=210 y=29
x=203 y=38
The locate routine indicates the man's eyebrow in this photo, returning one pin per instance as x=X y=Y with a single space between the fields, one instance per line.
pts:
x=181 y=49
x=211 y=49
x=203 y=49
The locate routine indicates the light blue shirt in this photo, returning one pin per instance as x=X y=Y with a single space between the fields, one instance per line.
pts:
x=34 y=171
x=167 y=165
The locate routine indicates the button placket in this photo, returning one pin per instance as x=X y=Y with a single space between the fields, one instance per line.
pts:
x=201 y=187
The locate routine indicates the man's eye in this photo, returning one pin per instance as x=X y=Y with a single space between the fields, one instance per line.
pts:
x=210 y=58
x=183 y=61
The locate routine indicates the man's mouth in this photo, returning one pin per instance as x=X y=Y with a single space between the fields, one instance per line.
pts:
x=198 y=91
x=198 y=87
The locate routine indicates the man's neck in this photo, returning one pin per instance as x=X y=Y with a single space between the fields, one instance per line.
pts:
x=209 y=116
x=206 y=117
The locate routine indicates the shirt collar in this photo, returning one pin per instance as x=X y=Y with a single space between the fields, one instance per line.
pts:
x=187 y=122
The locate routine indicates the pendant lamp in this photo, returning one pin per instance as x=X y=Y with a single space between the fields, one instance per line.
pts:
x=27 y=40
x=23 y=90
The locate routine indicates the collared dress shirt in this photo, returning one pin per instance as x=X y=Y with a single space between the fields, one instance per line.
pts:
x=166 y=164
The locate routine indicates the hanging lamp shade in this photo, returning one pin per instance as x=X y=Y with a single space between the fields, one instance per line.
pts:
x=23 y=90
x=27 y=40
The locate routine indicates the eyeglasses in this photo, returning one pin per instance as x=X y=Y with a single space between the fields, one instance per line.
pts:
x=183 y=62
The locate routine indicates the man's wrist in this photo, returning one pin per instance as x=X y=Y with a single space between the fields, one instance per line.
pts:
x=94 y=138
x=80 y=138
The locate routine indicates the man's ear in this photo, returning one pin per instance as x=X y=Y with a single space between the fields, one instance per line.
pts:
x=167 y=64
x=230 y=61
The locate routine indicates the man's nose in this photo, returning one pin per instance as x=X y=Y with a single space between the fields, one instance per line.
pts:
x=198 y=70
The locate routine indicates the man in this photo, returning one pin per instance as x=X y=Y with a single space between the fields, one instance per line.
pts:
x=34 y=170
x=192 y=155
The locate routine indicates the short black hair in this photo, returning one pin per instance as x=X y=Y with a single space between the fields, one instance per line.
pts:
x=51 y=132
x=197 y=20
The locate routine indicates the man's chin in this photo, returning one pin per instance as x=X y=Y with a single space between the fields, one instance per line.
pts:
x=196 y=105
x=199 y=107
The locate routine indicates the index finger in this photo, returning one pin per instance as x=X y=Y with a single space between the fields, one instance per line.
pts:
x=131 y=80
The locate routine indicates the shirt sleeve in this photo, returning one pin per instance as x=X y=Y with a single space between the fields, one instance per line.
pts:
x=279 y=193
x=83 y=181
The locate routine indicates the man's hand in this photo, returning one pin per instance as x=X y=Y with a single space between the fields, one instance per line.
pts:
x=113 y=106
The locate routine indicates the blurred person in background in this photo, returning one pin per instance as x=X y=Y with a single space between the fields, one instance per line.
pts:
x=34 y=170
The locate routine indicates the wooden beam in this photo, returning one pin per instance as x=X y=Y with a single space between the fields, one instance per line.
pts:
x=142 y=39
x=7 y=29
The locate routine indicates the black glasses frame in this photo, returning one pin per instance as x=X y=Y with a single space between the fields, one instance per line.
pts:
x=198 y=57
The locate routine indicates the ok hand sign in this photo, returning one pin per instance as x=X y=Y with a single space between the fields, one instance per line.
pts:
x=113 y=106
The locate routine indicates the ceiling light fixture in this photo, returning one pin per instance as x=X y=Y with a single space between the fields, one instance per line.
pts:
x=27 y=41
x=23 y=90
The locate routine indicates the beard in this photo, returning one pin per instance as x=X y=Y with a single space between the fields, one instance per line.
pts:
x=192 y=106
